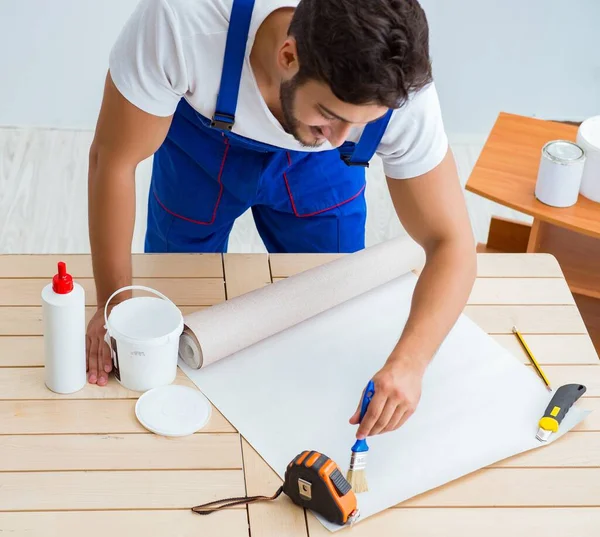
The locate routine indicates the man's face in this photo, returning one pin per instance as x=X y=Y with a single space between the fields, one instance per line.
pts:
x=313 y=114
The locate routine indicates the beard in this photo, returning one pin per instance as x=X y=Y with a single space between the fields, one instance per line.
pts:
x=287 y=95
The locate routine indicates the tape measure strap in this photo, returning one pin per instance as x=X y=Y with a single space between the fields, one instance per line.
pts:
x=312 y=481
x=217 y=505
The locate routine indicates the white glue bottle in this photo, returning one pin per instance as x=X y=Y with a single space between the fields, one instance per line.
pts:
x=63 y=311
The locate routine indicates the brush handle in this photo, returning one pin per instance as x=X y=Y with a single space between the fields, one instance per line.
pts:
x=361 y=445
x=367 y=397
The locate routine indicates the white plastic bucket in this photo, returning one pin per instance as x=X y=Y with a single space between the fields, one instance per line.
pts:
x=143 y=335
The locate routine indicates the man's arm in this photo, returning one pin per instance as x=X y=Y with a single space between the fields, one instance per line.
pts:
x=125 y=135
x=432 y=210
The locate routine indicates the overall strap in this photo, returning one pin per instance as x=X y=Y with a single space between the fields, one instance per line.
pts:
x=233 y=62
x=361 y=153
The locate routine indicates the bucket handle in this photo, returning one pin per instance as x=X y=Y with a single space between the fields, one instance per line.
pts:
x=129 y=288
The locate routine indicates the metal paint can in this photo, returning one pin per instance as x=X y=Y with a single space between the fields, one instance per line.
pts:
x=560 y=173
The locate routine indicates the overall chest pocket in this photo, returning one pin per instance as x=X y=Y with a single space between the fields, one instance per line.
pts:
x=320 y=182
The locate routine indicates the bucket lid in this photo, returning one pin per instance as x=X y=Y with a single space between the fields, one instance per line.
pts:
x=145 y=318
x=173 y=410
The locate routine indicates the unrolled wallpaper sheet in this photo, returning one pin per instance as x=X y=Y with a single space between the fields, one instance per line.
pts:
x=295 y=388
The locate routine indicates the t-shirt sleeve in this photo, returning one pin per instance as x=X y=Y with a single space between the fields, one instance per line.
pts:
x=147 y=63
x=415 y=141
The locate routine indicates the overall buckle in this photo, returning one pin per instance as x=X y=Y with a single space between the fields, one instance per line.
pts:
x=223 y=122
x=346 y=159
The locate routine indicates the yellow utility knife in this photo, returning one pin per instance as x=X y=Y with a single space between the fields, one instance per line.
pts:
x=557 y=409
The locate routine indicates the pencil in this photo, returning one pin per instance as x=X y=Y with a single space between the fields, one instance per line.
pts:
x=532 y=358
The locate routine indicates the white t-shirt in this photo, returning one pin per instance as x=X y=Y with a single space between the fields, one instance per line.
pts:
x=173 y=49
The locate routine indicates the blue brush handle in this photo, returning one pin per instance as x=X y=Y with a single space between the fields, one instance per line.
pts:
x=361 y=445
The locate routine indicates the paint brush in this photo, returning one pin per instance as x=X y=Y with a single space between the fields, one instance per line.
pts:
x=358 y=460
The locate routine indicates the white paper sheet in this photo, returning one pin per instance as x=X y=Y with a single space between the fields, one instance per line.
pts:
x=296 y=391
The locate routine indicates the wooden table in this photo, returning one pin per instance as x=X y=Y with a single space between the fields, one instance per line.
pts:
x=506 y=172
x=82 y=464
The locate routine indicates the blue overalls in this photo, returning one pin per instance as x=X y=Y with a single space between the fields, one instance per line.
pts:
x=204 y=176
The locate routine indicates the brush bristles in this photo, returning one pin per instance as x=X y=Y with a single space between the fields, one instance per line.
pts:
x=358 y=481
x=356 y=472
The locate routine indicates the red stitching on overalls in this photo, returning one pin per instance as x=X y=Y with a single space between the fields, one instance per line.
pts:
x=219 y=180
x=322 y=210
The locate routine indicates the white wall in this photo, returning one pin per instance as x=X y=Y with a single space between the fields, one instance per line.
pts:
x=54 y=58
x=537 y=58
x=533 y=57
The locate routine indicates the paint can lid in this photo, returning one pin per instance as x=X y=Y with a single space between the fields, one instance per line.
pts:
x=563 y=152
x=173 y=410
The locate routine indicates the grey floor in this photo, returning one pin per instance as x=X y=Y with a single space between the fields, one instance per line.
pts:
x=43 y=195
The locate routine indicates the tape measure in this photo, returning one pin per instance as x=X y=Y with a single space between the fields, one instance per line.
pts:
x=312 y=481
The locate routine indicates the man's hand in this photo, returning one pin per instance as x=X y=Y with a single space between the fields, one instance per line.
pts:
x=99 y=362
x=397 y=394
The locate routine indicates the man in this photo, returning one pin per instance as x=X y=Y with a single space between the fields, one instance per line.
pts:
x=278 y=106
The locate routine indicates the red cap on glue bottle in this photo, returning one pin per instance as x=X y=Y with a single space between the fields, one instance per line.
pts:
x=62 y=283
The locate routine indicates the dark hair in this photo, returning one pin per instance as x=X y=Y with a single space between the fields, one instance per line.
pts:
x=366 y=51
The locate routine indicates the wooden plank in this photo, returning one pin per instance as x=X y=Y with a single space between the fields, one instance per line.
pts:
x=157 y=489
x=518 y=266
x=589 y=375
x=28 y=383
x=478 y=522
x=88 y=416
x=27 y=320
x=269 y=519
x=245 y=273
x=205 y=265
x=528 y=291
x=552 y=349
x=575 y=449
x=506 y=235
x=119 y=452
x=512 y=487
x=529 y=319
x=284 y=265
x=180 y=523
x=592 y=422
x=182 y=291
x=21 y=351
x=143 y=265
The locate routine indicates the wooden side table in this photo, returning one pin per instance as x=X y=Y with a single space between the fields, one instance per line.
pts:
x=506 y=172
